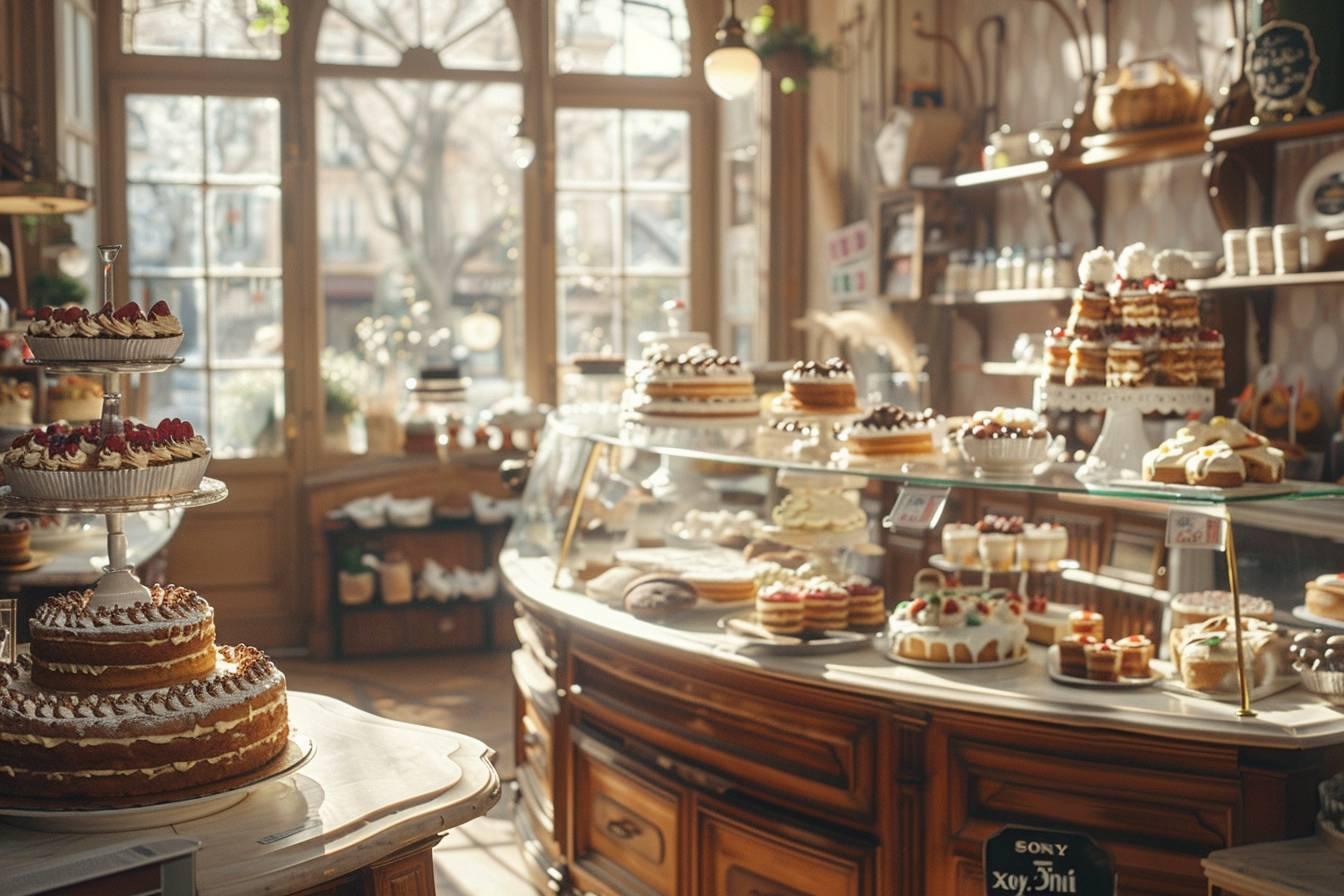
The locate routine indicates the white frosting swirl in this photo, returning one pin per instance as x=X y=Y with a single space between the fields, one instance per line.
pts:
x=1097 y=266
x=1135 y=262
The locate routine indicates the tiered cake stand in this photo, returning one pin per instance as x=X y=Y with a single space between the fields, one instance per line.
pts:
x=1119 y=449
x=119 y=585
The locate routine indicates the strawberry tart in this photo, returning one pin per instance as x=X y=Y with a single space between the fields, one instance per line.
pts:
x=64 y=462
x=121 y=334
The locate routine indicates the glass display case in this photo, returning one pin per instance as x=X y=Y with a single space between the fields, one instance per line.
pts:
x=714 y=504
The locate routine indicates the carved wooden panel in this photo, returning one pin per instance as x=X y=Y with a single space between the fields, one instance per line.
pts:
x=783 y=743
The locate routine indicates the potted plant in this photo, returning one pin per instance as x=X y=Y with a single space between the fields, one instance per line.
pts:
x=56 y=290
x=341 y=375
x=787 y=50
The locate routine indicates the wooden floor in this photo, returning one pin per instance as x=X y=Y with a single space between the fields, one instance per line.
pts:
x=471 y=693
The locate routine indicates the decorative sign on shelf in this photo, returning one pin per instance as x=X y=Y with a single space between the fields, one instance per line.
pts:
x=1022 y=861
x=1196 y=527
x=917 y=508
x=1281 y=64
x=852 y=272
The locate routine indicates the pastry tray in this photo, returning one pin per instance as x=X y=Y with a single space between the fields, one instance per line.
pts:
x=104 y=368
x=1052 y=667
x=789 y=645
x=210 y=491
x=1301 y=612
x=941 y=562
x=960 y=667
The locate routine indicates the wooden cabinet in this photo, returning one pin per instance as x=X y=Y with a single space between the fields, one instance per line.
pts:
x=645 y=770
x=746 y=855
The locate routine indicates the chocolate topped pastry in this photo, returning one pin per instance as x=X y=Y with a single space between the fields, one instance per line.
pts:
x=1005 y=423
x=831 y=368
x=890 y=416
x=656 y=596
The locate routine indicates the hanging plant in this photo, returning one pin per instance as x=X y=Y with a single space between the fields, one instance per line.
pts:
x=787 y=50
x=272 y=17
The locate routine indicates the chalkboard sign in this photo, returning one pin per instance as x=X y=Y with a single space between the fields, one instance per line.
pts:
x=1280 y=66
x=1023 y=861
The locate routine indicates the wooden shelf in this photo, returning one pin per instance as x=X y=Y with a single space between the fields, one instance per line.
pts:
x=1298 y=129
x=994 y=176
x=1003 y=296
x=1267 y=281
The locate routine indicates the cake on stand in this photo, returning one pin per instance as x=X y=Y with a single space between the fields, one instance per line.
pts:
x=119 y=593
x=1118 y=452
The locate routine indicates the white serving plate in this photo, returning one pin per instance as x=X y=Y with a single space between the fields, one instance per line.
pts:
x=173 y=809
x=960 y=667
x=1301 y=612
x=1172 y=682
x=1052 y=667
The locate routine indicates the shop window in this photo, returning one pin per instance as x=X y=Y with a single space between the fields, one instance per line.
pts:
x=229 y=29
x=203 y=206
x=622 y=221
x=621 y=37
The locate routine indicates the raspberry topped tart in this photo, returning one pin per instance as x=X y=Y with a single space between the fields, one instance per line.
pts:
x=62 y=462
x=111 y=334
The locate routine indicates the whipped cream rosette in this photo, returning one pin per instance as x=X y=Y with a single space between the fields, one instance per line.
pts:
x=121 y=334
x=70 y=463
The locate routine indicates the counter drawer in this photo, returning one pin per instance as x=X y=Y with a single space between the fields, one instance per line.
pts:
x=627 y=826
x=788 y=744
x=747 y=856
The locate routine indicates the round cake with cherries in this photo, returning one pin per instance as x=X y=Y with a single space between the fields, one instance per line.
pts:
x=135 y=700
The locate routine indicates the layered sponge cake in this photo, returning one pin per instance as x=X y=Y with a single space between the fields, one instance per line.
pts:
x=135 y=700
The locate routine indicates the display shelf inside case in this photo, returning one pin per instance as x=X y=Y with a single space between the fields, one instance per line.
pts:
x=210 y=491
x=104 y=368
x=1058 y=479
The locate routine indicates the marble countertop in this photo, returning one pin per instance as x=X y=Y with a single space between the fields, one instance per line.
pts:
x=1292 y=719
x=373 y=787
x=78 y=562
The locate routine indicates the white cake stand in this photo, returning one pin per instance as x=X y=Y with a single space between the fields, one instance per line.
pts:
x=1119 y=449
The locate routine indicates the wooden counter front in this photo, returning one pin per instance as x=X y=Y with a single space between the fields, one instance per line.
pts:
x=676 y=766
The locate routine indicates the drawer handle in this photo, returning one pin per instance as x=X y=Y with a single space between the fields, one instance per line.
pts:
x=623 y=829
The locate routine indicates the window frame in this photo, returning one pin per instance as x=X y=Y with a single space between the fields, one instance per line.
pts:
x=292 y=79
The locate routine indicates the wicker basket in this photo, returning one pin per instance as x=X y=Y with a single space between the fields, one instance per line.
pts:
x=1147 y=93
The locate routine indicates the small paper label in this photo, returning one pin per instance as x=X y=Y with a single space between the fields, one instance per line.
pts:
x=917 y=508
x=1189 y=527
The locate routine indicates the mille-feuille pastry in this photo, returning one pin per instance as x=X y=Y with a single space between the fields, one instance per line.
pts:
x=1087 y=622
x=1087 y=362
x=892 y=430
x=1209 y=362
x=1136 y=651
x=1176 y=361
x=867 y=604
x=779 y=609
x=1130 y=360
x=722 y=586
x=1090 y=315
x=825 y=606
x=1215 y=466
x=1103 y=661
x=1073 y=654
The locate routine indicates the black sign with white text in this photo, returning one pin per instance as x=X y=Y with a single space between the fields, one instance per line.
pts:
x=1023 y=861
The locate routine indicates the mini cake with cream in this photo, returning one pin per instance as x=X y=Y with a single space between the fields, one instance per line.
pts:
x=16 y=402
x=867 y=606
x=820 y=386
x=699 y=382
x=16 y=535
x=1090 y=316
x=891 y=430
x=1057 y=355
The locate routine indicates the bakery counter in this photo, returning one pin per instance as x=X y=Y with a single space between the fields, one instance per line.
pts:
x=661 y=759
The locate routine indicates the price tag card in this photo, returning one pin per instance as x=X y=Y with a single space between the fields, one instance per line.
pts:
x=1199 y=528
x=917 y=508
x=1019 y=861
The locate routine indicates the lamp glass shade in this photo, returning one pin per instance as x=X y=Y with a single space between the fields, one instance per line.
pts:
x=732 y=72
x=480 y=331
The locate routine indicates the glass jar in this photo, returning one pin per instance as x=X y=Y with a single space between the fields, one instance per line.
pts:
x=1033 y=274
x=1003 y=269
x=1019 y=268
